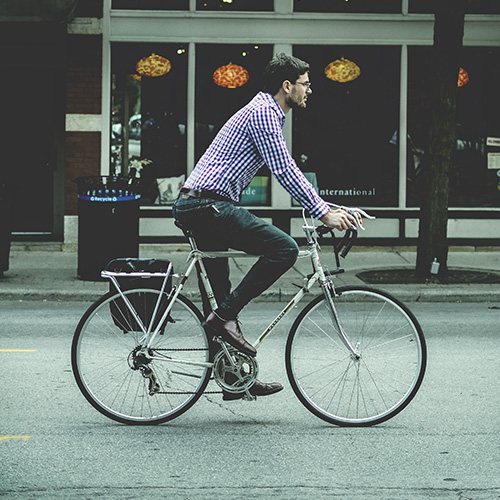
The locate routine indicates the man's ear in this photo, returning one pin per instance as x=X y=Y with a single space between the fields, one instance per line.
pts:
x=286 y=86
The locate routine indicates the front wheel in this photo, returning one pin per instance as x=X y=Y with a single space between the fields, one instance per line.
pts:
x=129 y=383
x=341 y=388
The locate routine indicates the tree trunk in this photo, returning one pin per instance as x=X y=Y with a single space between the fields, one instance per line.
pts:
x=448 y=35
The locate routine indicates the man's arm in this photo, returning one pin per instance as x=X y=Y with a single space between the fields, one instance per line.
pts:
x=266 y=133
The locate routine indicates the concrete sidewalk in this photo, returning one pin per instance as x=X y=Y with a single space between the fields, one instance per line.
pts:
x=47 y=272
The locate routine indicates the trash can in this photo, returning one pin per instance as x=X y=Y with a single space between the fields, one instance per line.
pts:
x=108 y=222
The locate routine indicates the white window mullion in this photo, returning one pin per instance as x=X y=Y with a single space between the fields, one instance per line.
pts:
x=280 y=199
x=191 y=111
x=106 y=90
x=403 y=126
x=405 y=7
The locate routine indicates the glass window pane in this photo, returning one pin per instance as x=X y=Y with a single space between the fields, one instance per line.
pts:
x=216 y=104
x=149 y=119
x=475 y=175
x=150 y=4
x=235 y=5
x=362 y=6
x=344 y=135
x=471 y=6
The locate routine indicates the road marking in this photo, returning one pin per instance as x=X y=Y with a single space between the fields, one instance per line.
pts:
x=4 y=438
x=18 y=350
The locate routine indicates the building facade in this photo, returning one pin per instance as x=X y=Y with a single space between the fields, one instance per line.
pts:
x=109 y=116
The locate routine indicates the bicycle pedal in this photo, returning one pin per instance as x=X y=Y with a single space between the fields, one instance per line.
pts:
x=249 y=397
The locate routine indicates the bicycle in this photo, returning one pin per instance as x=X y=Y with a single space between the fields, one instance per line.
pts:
x=355 y=356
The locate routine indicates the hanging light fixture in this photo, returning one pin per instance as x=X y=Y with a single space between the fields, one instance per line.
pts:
x=153 y=65
x=231 y=76
x=463 y=78
x=342 y=70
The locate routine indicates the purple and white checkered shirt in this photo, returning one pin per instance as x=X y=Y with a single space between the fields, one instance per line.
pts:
x=251 y=138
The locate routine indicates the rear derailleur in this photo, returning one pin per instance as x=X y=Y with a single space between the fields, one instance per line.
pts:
x=139 y=359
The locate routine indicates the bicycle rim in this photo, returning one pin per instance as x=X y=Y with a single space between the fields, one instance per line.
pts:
x=110 y=371
x=336 y=386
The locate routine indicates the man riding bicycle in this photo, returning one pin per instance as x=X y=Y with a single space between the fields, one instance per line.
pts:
x=207 y=205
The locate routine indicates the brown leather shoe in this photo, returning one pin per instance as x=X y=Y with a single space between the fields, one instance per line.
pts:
x=230 y=332
x=258 y=389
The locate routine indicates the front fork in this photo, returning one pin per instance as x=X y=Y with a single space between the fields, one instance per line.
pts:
x=329 y=293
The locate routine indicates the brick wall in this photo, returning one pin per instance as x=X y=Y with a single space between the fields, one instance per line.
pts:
x=83 y=83
x=83 y=97
x=83 y=158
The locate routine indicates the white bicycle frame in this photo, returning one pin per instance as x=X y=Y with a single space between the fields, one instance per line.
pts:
x=195 y=259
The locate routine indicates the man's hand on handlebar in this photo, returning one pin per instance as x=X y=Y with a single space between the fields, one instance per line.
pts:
x=339 y=219
x=344 y=218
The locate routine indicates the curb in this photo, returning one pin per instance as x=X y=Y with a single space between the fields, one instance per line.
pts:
x=405 y=293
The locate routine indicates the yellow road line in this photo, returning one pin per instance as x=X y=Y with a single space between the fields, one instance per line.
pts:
x=18 y=350
x=3 y=438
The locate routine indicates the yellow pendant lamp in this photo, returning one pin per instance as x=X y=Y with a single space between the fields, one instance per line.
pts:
x=153 y=65
x=342 y=70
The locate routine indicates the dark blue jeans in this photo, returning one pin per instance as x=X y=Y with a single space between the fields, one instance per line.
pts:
x=220 y=225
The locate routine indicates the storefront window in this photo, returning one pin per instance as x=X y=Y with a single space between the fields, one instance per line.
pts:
x=149 y=119
x=215 y=104
x=150 y=4
x=471 y=6
x=357 y=6
x=475 y=175
x=235 y=5
x=344 y=136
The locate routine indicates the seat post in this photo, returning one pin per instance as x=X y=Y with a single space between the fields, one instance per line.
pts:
x=189 y=235
x=192 y=241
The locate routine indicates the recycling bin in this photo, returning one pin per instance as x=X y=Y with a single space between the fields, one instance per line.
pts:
x=108 y=222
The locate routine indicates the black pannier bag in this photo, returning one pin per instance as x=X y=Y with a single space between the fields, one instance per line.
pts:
x=144 y=304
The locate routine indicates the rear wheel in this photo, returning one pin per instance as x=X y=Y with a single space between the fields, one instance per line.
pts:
x=335 y=385
x=128 y=383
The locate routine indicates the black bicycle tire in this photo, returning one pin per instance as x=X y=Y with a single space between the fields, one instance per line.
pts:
x=340 y=421
x=94 y=402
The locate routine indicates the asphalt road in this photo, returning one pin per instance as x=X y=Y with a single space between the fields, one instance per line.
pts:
x=445 y=445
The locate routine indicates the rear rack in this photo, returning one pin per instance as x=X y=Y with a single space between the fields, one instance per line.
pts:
x=133 y=274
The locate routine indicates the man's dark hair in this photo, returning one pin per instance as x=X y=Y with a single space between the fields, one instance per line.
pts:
x=280 y=68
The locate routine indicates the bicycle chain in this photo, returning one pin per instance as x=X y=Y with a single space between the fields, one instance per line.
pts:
x=179 y=393
x=184 y=393
x=180 y=349
x=184 y=349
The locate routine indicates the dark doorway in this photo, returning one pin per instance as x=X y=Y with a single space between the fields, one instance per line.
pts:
x=30 y=149
x=31 y=83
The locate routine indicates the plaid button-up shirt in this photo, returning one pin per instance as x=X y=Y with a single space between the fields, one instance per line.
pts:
x=250 y=139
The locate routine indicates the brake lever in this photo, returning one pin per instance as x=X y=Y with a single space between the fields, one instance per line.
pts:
x=354 y=211
x=343 y=247
x=351 y=236
x=363 y=213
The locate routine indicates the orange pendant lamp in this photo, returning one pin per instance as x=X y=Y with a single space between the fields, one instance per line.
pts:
x=342 y=70
x=231 y=76
x=463 y=78
x=153 y=65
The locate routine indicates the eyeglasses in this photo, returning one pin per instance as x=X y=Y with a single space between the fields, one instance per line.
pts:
x=305 y=84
